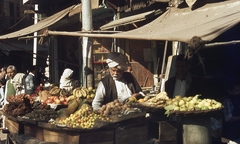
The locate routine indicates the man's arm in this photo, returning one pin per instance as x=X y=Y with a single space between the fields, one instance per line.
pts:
x=99 y=96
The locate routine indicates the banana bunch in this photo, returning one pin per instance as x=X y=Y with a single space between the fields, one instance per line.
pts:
x=83 y=93
x=55 y=90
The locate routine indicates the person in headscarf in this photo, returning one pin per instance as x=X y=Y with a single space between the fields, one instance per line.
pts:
x=118 y=84
x=65 y=80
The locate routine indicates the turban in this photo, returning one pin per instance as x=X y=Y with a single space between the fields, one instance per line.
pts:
x=115 y=59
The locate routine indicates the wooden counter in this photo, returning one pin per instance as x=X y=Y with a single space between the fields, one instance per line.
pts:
x=128 y=131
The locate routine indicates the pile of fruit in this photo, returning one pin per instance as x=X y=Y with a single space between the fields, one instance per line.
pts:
x=191 y=104
x=83 y=118
x=113 y=108
x=18 y=105
x=185 y=105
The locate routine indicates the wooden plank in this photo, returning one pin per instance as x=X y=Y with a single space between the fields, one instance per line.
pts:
x=97 y=137
x=33 y=131
x=131 y=135
x=26 y=120
x=60 y=137
x=168 y=131
x=23 y=139
x=48 y=126
x=14 y=127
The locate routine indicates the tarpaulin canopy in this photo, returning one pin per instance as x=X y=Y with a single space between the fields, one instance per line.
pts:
x=130 y=19
x=38 y=26
x=207 y=22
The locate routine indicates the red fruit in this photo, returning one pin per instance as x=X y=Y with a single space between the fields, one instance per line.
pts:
x=65 y=103
x=62 y=99
x=57 y=101
x=49 y=101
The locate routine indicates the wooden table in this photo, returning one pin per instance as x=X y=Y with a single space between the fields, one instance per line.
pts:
x=129 y=131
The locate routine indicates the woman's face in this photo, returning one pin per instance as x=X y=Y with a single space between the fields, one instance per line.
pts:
x=116 y=73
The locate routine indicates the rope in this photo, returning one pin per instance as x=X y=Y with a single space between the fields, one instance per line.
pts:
x=195 y=44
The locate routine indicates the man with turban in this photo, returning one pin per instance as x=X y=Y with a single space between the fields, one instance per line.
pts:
x=118 y=84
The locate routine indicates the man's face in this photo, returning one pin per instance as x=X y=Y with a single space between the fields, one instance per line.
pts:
x=235 y=90
x=182 y=68
x=10 y=73
x=116 y=73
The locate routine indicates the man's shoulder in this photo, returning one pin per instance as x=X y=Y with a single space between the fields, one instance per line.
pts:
x=172 y=79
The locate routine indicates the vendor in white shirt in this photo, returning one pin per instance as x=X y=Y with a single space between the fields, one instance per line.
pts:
x=184 y=83
x=118 y=84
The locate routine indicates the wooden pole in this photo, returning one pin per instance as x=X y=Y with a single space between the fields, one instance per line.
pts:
x=87 y=68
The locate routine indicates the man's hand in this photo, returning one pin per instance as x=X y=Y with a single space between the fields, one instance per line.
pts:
x=137 y=95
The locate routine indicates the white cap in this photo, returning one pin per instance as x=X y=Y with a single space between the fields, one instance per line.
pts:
x=119 y=60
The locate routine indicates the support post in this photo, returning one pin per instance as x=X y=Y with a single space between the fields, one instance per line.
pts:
x=35 y=34
x=87 y=53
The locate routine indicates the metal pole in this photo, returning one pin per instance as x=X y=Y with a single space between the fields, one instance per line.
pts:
x=87 y=53
x=35 y=34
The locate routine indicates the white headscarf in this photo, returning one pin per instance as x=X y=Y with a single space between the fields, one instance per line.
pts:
x=65 y=80
x=119 y=60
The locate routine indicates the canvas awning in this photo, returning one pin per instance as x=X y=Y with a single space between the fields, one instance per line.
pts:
x=38 y=26
x=131 y=19
x=207 y=22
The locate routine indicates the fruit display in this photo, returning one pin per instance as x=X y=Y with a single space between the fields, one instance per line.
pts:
x=82 y=92
x=185 y=105
x=152 y=104
x=113 y=108
x=18 y=105
x=42 y=114
x=191 y=104
x=59 y=100
x=83 y=118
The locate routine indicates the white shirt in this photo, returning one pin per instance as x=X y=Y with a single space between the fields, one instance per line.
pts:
x=123 y=93
x=180 y=88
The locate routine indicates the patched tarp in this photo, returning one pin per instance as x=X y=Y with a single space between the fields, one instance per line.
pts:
x=207 y=22
x=38 y=26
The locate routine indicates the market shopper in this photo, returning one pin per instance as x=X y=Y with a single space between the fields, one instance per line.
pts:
x=231 y=120
x=30 y=83
x=65 y=81
x=11 y=72
x=3 y=73
x=118 y=84
x=184 y=83
x=2 y=91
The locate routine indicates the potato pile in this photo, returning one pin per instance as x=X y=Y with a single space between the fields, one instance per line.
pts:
x=113 y=108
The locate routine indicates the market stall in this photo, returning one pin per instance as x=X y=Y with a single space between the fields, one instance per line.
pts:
x=75 y=122
x=187 y=118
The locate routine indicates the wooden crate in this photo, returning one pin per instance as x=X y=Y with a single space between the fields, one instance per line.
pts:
x=14 y=126
x=132 y=134
x=168 y=132
x=60 y=137
x=97 y=137
x=33 y=131
x=163 y=131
